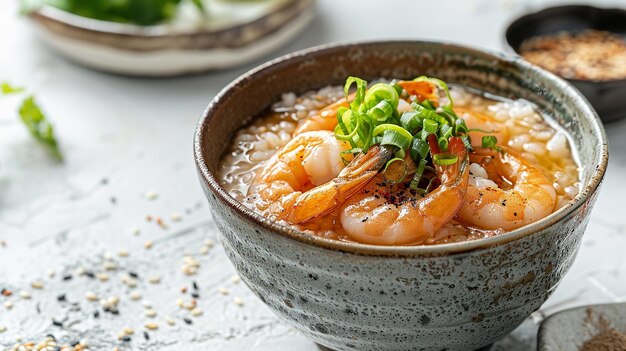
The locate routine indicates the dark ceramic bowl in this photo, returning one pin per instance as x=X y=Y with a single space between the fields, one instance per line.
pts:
x=606 y=96
x=349 y=296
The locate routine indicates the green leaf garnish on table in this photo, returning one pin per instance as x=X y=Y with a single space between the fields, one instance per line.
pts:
x=7 y=89
x=38 y=126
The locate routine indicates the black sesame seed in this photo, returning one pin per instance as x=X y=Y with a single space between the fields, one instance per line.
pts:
x=126 y=338
x=75 y=343
x=187 y=320
x=96 y=314
x=195 y=295
x=67 y=277
x=146 y=335
x=134 y=275
x=195 y=285
x=90 y=274
x=57 y=323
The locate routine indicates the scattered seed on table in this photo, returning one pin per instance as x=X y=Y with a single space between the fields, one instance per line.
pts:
x=135 y=231
x=222 y=290
x=150 y=313
x=208 y=242
x=61 y=297
x=91 y=296
x=204 y=250
x=154 y=280
x=187 y=320
x=195 y=285
x=25 y=295
x=195 y=295
x=170 y=321
x=235 y=279
x=134 y=275
x=196 y=312
x=123 y=253
x=3 y=328
x=67 y=277
x=103 y=277
x=108 y=255
x=176 y=217
x=96 y=314
x=148 y=244
x=57 y=323
x=37 y=284
x=128 y=331
x=8 y=304
x=89 y=274
x=126 y=338
x=51 y=273
x=134 y=295
x=152 y=326
x=238 y=301
x=160 y=223
x=180 y=303
x=146 y=304
x=152 y=195
x=110 y=266
x=146 y=335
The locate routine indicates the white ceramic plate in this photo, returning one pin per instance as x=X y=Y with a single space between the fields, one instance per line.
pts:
x=231 y=34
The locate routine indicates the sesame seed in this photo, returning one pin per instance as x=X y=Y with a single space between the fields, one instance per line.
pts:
x=135 y=295
x=148 y=244
x=187 y=320
x=3 y=328
x=152 y=326
x=208 y=242
x=51 y=273
x=146 y=335
x=204 y=250
x=176 y=217
x=37 y=284
x=67 y=277
x=150 y=313
x=196 y=312
x=91 y=296
x=109 y=266
x=170 y=321
x=238 y=301
x=180 y=303
x=222 y=290
x=154 y=280
x=108 y=255
x=123 y=253
x=103 y=277
x=25 y=295
x=8 y=304
x=235 y=279
x=151 y=195
x=135 y=231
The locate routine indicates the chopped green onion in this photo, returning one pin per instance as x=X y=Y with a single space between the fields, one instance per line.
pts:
x=410 y=121
x=393 y=175
x=361 y=87
x=489 y=141
x=445 y=159
x=419 y=149
x=430 y=126
x=395 y=138
x=382 y=111
x=417 y=177
x=381 y=92
x=443 y=143
x=427 y=104
x=460 y=127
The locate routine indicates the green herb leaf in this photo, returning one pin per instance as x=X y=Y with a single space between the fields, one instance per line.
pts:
x=10 y=89
x=38 y=126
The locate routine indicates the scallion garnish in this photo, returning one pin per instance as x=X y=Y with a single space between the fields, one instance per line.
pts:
x=425 y=132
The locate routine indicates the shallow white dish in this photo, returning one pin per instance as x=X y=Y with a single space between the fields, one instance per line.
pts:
x=232 y=34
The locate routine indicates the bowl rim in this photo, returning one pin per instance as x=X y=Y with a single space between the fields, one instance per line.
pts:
x=532 y=14
x=222 y=195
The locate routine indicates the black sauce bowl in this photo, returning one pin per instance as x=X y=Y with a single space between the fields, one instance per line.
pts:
x=608 y=97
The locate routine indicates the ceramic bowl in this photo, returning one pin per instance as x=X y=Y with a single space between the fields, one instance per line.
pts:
x=234 y=33
x=349 y=296
x=606 y=96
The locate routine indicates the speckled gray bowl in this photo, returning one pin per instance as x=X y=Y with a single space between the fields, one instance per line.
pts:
x=350 y=296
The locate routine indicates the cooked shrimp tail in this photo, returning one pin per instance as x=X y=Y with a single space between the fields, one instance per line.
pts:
x=327 y=197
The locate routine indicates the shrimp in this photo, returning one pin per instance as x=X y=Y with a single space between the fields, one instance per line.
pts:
x=307 y=179
x=326 y=119
x=382 y=217
x=505 y=191
x=487 y=124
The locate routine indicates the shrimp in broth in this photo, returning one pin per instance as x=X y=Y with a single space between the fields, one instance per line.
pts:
x=407 y=162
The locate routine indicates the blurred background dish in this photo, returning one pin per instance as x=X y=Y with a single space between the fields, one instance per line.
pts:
x=584 y=328
x=231 y=33
x=584 y=45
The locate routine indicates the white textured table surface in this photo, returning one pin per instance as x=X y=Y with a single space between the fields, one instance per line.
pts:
x=125 y=136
